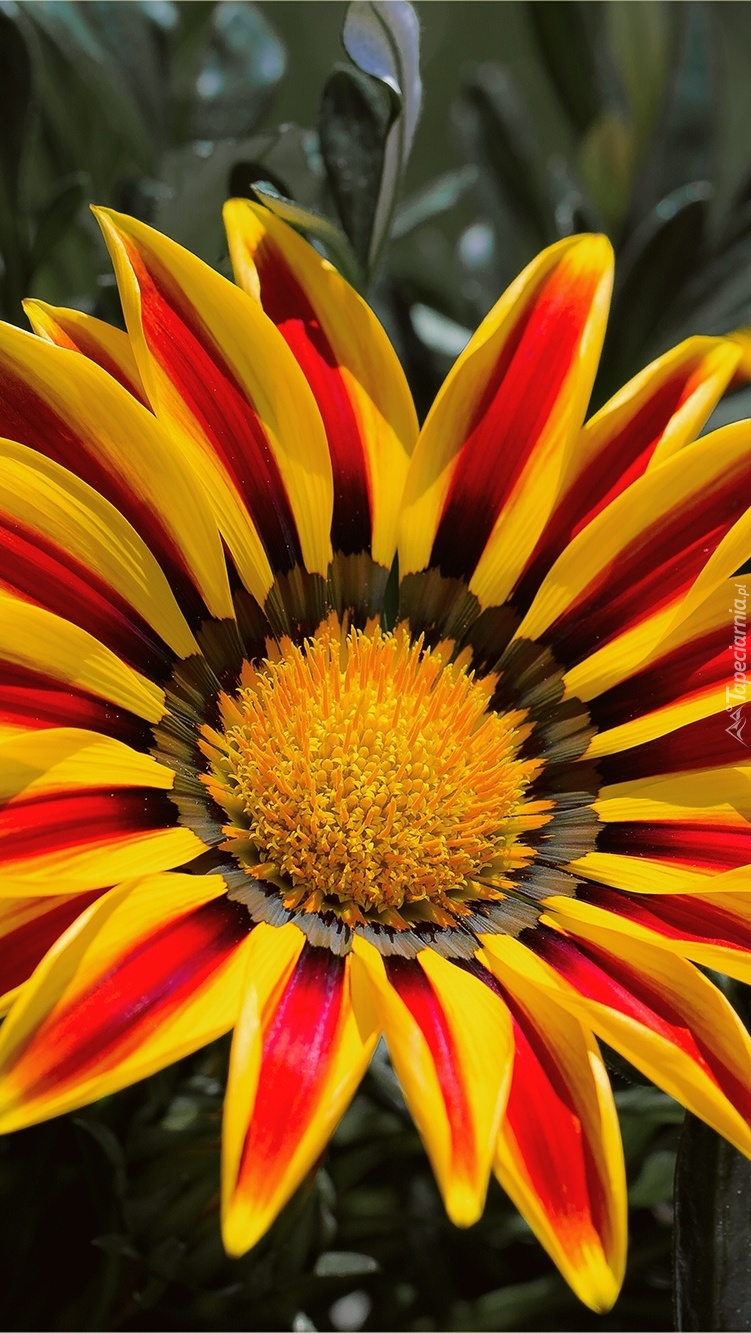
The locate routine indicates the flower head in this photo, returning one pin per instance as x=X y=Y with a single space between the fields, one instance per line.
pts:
x=492 y=825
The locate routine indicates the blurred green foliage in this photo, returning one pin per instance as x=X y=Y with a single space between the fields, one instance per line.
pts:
x=538 y=120
x=117 y=1206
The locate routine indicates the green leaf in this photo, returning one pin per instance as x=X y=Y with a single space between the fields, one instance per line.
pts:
x=15 y=107
x=70 y=50
x=56 y=218
x=438 y=197
x=493 y=125
x=520 y=1305
x=440 y=334
x=712 y=1227
x=654 y=1184
x=607 y=159
x=655 y=266
x=565 y=39
x=382 y=38
x=344 y=1263
x=640 y=41
x=684 y=149
x=15 y=103
x=355 y=116
x=238 y=71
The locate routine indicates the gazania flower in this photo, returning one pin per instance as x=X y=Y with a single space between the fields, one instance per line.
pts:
x=494 y=823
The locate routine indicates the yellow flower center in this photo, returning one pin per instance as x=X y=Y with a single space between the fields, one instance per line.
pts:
x=365 y=776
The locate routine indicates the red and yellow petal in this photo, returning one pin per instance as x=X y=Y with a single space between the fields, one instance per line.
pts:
x=713 y=930
x=640 y=687
x=673 y=834
x=645 y=553
x=28 y=928
x=65 y=547
x=659 y=412
x=484 y=477
x=81 y=839
x=350 y=365
x=61 y=759
x=299 y=1052
x=67 y=408
x=227 y=386
x=31 y=700
x=148 y=974
x=108 y=346
x=559 y=1153
x=80 y=811
x=34 y=638
x=674 y=752
x=654 y=1008
x=450 y=1042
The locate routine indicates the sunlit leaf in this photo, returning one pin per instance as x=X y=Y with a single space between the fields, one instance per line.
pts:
x=381 y=37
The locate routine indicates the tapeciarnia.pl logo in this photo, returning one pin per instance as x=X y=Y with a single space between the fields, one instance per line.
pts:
x=735 y=694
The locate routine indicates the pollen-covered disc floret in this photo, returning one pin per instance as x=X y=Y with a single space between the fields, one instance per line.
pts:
x=365 y=775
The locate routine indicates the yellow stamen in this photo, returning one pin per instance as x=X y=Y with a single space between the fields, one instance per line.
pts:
x=368 y=778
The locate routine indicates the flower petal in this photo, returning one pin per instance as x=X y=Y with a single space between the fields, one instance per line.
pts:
x=559 y=1152
x=32 y=700
x=297 y=1058
x=660 y=411
x=673 y=834
x=350 y=365
x=223 y=380
x=484 y=476
x=81 y=839
x=713 y=930
x=62 y=759
x=645 y=551
x=451 y=1046
x=655 y=1009
x=69 y=409
x=109 y=347
x=149 y=973
x=33 y=637
x=65 y=547
x=28 y=928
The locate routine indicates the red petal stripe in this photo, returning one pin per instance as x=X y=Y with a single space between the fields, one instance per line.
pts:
x=701 y=846
x=414 y=988
x=31 y=699
x=22 y=949
x=543 y=1118
x=689 y=669
x=609 y=981
x=28 y=418
x=548 y=1131
x=657 y=567
x=676 y=916
x=286 y=304
x=625 y=457
x=191 y=359
x=42 y=572
x=510 y=417
x=107 y=1022
x=297 y=1049
x=705 y=743
x=50 y=823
